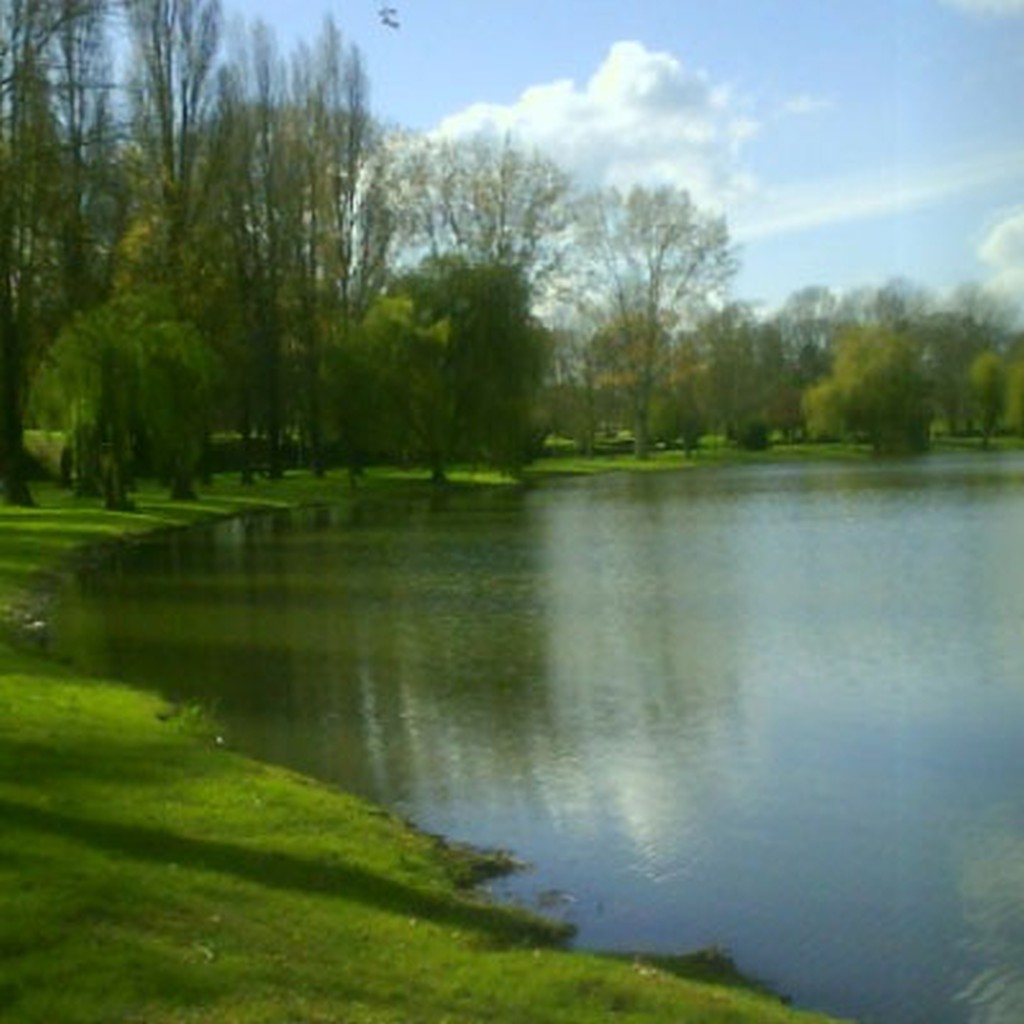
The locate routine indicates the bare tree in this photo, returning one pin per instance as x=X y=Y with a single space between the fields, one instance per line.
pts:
x=28 y=199
x=342 y=235
x=91 y=207
x=487 y=201
x=258 y=198
x=652 y=262
x=176 y=44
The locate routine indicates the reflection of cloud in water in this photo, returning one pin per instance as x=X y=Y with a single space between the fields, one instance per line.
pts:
x=641 y=667
x=992 y=888
x=586 y=684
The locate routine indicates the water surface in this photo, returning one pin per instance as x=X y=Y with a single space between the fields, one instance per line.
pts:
x=779 y=709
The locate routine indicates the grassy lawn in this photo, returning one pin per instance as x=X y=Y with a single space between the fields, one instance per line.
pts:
x=148 y=874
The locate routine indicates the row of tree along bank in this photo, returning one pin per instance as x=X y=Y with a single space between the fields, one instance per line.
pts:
x=222 y=239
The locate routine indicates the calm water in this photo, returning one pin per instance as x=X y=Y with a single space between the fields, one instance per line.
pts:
x=778 y=709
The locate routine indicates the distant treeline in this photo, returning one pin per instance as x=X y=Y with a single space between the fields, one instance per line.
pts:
x=206 y=238
x=890 y=367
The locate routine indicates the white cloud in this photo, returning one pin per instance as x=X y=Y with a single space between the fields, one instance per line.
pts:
x=643 y=117
x=1002 y=250
x=990 y=7
x=810 y=205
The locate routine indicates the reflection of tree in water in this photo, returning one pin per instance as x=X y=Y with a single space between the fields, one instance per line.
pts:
x=557 y=660
x=992 y=889
x=448 y=649
x=552 y=653
x=370 y=649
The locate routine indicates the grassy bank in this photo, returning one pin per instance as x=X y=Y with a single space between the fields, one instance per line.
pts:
x=149 y=874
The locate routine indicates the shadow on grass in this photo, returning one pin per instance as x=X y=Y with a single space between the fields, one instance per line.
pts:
x=74 y=767
x=283 y=871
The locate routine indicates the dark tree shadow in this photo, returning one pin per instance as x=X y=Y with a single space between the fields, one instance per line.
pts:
x=284 y=871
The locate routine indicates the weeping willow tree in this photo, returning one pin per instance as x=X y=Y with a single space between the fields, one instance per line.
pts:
x=125 y=373
x=877 y=392
x=480 y=377
x=89 y=387
x=388 y=386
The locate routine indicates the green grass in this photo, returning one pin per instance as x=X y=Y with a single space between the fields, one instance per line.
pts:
x=149 y=874
x=712 y=453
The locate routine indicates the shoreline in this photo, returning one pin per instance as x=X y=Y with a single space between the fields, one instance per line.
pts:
x=465 y=867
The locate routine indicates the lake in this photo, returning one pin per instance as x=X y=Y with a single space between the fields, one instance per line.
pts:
x=777 y=709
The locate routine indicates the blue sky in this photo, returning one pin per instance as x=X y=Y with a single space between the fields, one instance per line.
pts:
x=846 y=141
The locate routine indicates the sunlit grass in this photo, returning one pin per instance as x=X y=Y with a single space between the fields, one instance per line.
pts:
x=713 y=452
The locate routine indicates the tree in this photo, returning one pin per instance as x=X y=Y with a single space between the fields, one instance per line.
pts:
x=123 y=371
x=571 y=392
x=971 y=323
x=92 y=371
x=747 y=386
x=988 y=380
x=1015 y=396
x=28 y=176
x=684 y=410
x=654 y=261
x=260 y=186
x=391 y=388
x=897 y=305
x=342 y=233
x=951 y=344
x=92 y=204
x=808 y=322
x=485 y=201
x=176 y=44
x=877 y=390
x=177 y=375
x=360 y=217
x=475 y=365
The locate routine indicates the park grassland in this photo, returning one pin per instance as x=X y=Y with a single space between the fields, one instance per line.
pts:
x=148 y=874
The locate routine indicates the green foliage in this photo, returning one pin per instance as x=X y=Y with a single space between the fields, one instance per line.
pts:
x=178 y=372
x=748 y=383
x=473 y=381
x=988 y=379
x=1015 y=396
x=445 y=369
x=124 y=367
x=93 y=370
x=877 y=390
x=388 y=385
x=823 y=410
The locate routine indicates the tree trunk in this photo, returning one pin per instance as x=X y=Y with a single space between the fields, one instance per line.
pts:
x=641 y=429
x=246 y=431
x=115 y=494
x=13 y=460
x=181 y=488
